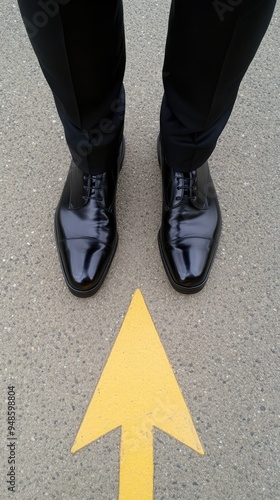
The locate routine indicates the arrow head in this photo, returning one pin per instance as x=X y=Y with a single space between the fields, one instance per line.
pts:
x=137 y=389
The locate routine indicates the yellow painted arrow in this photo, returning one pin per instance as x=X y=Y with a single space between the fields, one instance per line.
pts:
x=137 y=391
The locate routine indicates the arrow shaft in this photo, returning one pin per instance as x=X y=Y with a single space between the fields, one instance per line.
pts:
x=136 y=465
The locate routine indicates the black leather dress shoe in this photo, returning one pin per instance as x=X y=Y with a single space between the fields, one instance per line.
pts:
x=86 y=229
x=191 y=226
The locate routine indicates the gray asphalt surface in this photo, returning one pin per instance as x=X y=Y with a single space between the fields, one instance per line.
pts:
x=223 y=343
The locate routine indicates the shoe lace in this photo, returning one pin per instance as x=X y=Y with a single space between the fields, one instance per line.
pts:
x=92 y=187
x=187 y=183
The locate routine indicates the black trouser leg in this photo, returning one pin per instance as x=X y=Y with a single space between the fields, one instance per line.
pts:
x=81 y=49
x=210 y=45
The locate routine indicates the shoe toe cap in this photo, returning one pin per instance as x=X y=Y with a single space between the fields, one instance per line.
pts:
x=85 y=263
x=189 y=261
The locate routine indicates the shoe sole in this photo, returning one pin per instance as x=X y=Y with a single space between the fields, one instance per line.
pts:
x=95 y=288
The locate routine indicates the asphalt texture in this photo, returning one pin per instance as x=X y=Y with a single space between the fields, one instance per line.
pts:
x=223 y=343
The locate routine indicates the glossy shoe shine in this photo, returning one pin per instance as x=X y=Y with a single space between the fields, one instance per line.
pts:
x=191 y=226
x=86 y=228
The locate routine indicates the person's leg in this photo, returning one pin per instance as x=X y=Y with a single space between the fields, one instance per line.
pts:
x=80 y=47
x=209 y=48
x=210 y=45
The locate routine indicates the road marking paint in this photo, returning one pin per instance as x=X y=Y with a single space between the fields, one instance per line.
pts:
x=137 y=391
